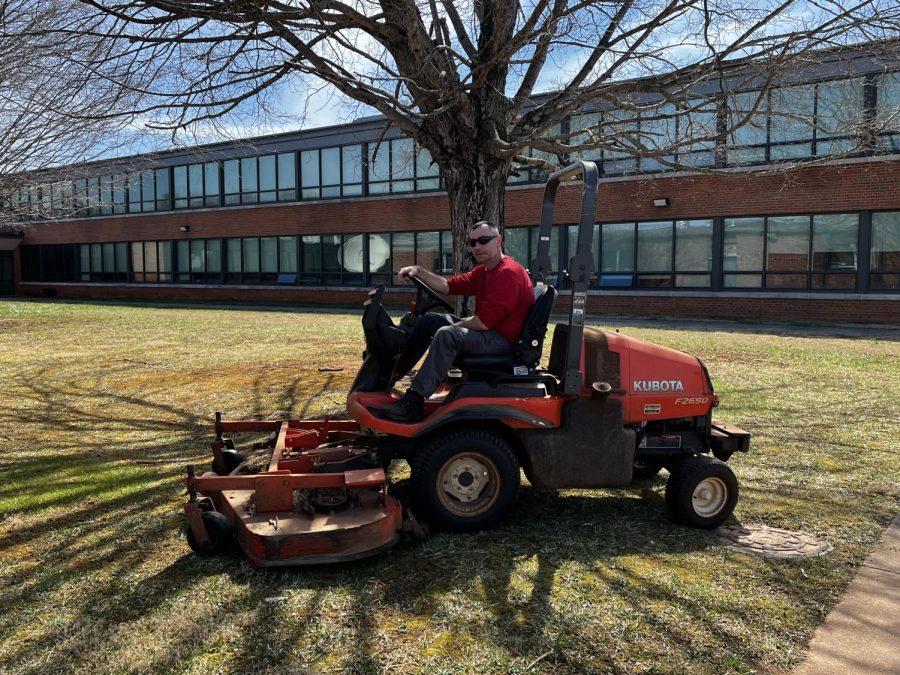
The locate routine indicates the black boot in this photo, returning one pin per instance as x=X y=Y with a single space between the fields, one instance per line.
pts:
x=407 y=409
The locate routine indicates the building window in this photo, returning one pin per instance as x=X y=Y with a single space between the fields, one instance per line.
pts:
x=515 y=244
x=268 y=180
x=331 y=172
x=620 y=129
x=792 y=112
x=403 y=249
x=787 y=251
x=389 y=253
x=195 y=186
x=254 y=180
x=106 y=196
x=884 y=272
x=352 y=170
x=162 y=180
x=584 y=129
x=250 y=262
x=268 y=259
x=30 y=259
x=233 y=261
x=287 y=176
x=744 y=250
x=148 y=190
x=658 y=138
x=92 y=197
x=839 y=116
x=198 y=261
x=256 y=260
x=834 y=251
x=106 y=262
x=380 y=259
x=428 y=251
x=287 y=260
x=397 y=166
x=311 y=259
x=791 y=252
x=151 y=261
x=887 y=119
x=697 y=134
x=693 y=253
x=249 y=180
x=748 y=124
x=231 y=180
x=80 y=199
x=796 y=122
x=51 y=262
x=654 y=254
x=333 y=252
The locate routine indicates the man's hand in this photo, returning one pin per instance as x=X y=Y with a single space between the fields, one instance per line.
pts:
x=434 y=281
x=407 y=272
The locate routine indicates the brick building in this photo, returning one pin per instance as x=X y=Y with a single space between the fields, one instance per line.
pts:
x=319 y=216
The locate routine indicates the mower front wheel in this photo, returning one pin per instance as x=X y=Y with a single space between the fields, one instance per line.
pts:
x=701 y=491
x=220 y=532
x=465 y=480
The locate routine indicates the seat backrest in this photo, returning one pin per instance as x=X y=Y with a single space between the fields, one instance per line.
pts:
x=531 y=340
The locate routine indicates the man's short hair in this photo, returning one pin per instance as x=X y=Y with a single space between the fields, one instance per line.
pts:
x=494 y=229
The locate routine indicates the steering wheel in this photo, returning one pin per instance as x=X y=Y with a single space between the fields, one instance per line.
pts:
x=434 y=298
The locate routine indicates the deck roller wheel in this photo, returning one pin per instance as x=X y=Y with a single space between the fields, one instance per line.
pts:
x=701 y=491
x=220 y=532
x=645 y=469
x=231 y=459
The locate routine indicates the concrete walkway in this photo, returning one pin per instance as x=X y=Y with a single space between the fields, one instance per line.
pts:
x=862 y=633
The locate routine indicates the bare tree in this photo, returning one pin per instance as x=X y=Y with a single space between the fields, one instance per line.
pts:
x=463 y=77
x=52 y=112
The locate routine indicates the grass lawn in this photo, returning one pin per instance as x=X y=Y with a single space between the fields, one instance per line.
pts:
x=102 y=406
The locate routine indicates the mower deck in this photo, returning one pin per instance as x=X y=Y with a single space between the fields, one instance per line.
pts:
x=319 y=500
x=282 y=538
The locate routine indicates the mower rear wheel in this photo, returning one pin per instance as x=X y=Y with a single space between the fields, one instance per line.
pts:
x=221 y=535
x=465 y=480
x=701 y=491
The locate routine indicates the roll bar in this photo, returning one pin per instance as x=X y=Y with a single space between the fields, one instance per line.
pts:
x=581 y=266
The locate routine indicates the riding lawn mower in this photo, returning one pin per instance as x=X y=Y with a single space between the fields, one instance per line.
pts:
x=604 y=410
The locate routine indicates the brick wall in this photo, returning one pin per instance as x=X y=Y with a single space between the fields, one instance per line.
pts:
x=846 y=187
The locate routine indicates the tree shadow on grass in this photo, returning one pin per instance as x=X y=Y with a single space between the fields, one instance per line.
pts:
x=424 y=582
x=534 y=589
x=576 y=581
x=572 y=582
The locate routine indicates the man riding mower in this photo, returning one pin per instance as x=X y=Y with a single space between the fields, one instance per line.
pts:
x=604 y=410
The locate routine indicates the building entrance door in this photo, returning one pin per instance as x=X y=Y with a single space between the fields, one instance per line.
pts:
x=7 y=285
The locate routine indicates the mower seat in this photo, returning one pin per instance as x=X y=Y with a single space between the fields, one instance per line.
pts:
x=528 y=347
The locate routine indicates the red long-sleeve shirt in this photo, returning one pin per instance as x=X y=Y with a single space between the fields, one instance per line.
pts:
x=503 y=295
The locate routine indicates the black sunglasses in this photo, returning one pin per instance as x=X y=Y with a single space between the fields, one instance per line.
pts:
x=482 y=240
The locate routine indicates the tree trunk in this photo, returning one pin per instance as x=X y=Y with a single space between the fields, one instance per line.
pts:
x=476 y=191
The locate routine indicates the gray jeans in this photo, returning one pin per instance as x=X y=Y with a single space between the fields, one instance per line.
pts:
x=447 y=343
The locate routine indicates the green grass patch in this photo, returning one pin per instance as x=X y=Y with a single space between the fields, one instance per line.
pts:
x=103 y=405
